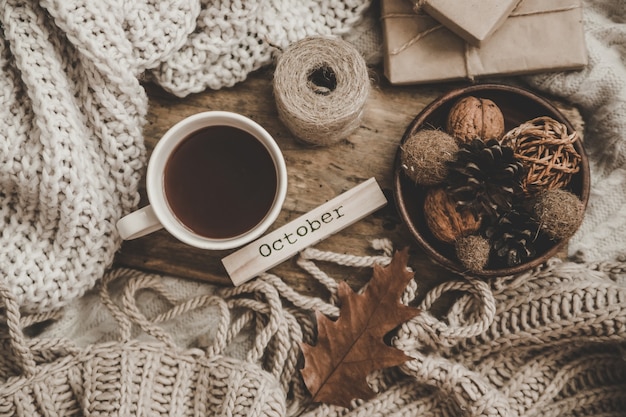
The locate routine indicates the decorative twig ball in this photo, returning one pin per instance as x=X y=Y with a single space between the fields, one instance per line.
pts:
x=558 y=212
x=425 y=155
x=546 y=149
x=475 y=118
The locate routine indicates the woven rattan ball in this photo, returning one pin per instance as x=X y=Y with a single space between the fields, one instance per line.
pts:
x=546 y=148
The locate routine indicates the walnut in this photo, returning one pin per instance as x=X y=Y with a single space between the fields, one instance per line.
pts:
x=471 y=118
x=443 y=219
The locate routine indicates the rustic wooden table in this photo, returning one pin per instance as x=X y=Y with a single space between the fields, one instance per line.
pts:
x=315 y=174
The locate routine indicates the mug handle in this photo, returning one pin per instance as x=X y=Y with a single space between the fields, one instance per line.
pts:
x=138 y=223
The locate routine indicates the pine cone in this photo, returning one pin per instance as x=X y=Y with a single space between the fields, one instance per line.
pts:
x=484 y=178
x=512 y=237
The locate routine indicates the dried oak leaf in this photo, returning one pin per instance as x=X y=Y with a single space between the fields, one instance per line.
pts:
x=353 y=346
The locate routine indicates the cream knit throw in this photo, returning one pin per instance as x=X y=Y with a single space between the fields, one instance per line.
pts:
x=55 y=377
x=72 y=111
x=550 y=342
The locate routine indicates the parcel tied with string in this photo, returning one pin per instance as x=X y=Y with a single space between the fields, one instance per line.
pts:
x=538 y=36
x=474 y=21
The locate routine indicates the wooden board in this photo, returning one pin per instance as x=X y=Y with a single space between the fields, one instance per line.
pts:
x=315 y=174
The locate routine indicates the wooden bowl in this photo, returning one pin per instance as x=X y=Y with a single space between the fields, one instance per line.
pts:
x=518 y=105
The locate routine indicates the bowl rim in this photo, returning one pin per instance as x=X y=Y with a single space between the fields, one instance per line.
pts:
x=418 y=122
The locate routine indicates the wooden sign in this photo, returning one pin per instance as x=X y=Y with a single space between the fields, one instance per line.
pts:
x=307 y=230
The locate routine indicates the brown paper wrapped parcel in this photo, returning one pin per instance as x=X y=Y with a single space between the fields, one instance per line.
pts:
x=473 y=20
x=538 y=36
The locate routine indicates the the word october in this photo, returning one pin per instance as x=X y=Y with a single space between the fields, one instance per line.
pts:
x=306 y=227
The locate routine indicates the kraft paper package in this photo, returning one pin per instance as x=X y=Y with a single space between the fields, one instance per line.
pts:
x=538 y=36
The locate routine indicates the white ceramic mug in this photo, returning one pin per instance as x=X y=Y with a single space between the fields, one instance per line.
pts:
x=188 y=139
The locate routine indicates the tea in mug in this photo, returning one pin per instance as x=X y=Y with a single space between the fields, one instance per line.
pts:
x=220 y=182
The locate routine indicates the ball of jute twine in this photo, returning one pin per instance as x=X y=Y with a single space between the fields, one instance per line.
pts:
x=321 y=85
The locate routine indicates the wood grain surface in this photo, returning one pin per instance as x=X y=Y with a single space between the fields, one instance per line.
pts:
x=315 y=175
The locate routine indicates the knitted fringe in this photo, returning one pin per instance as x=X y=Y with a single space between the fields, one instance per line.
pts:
x=549 y=342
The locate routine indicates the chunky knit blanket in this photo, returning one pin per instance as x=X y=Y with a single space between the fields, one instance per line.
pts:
x=549 y=342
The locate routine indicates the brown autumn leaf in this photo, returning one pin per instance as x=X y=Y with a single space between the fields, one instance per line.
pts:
x=352 y=347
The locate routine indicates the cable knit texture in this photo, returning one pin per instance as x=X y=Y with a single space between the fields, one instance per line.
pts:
x=129 y=377
x=549 y=342
x=73 y=108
